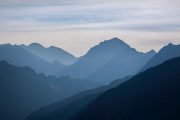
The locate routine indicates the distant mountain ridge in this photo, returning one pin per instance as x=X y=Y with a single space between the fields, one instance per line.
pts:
x=106 y=62
x=22 y=90
x=51 y=53
x=153 y=91
x=167 y=52
x=17 y=55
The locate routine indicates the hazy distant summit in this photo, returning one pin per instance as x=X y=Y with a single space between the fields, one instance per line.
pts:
x=109 y=60
x=17 y=55
x=114 y=44
x=103 y=62
x=167 y=52
x=51 y=53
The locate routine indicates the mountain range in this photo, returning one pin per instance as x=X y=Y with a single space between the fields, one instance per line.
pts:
x=111 y=81
x=51 y=53
x=152 y=95
x=103 y=63
x=22 y=90
x=167 y=52
x=110 y=60
x=17 y=55
x=62 y=110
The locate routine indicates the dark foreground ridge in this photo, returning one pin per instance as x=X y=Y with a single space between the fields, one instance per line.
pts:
x=151 y=95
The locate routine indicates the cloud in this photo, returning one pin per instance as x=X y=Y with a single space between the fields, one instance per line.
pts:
x=26 y=3
x=72 y=17
x=106 y=16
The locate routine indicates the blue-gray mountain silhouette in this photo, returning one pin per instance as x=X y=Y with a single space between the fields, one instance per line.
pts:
x=17 y=55
x=167 y=52
x=62 y=110
x=110 y=60
x=151 y=95
x=22 y=91
x=51 y=53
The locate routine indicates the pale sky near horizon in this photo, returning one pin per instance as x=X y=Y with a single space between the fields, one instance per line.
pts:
x=78 y=25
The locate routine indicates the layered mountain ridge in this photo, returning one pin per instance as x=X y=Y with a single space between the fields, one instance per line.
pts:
x=108 y=61
x=33 y=76
x=152 y=94
x=167 y=52
x=22 y=90
x=51 y=53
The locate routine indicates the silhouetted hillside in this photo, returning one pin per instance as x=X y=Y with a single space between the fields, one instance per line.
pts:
x=22 y=91
x=65 y=109
x=150 y=95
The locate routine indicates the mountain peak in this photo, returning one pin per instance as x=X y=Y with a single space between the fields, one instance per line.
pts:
x=115 y=41
x=152 y=52
x=169 y=47
x=56 y=48
x=111 y=46
x=170 y=44
x=35 y=45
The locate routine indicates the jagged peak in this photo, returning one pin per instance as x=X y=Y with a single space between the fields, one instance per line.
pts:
x=168 y=47
x=114 y=40
x=170 y=44
x=40 y=45
x=114 y=43
x=36 y=44
x=61 y=50
x=152 y=51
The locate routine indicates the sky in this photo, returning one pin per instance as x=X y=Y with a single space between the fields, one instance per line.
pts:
x=78 y=25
